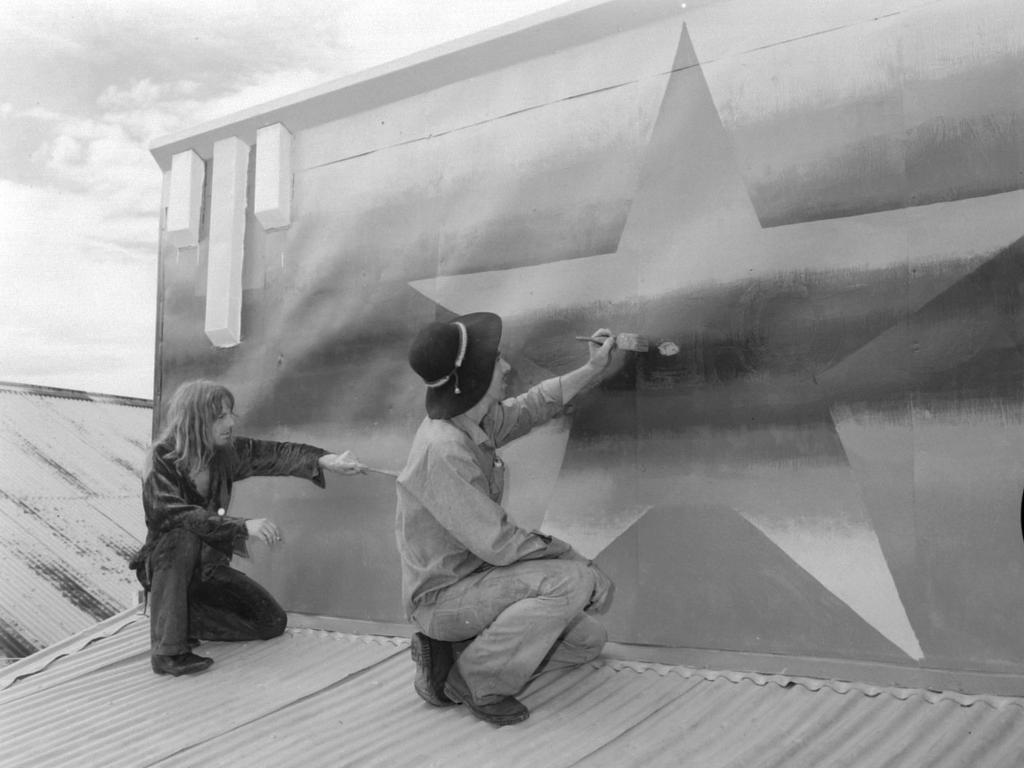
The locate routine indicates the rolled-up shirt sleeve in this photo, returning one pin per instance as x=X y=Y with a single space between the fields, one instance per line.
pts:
x=455 y=497
x=514 y=417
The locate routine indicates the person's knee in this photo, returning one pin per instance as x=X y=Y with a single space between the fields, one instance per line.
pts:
x=274 y=624
x=574 y=580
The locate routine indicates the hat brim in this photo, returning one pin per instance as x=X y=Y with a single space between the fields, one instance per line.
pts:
x=477 y=369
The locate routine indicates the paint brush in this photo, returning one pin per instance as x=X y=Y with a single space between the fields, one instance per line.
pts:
x=387 y=472
x=631 y=342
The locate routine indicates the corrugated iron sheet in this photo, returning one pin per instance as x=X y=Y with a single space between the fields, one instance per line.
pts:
x=70 y=511
x=320 y=698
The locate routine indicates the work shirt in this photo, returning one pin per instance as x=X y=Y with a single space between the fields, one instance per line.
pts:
x=171 y=500
x=450 y=522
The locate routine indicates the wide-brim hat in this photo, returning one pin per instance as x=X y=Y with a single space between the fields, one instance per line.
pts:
x=456 y=361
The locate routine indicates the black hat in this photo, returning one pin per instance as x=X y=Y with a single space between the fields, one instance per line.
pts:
x=456 y=362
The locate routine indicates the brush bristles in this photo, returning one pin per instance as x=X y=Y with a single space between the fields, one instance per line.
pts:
x=631 y=342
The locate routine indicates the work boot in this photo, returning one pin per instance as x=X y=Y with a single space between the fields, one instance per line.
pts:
x=496 y=710
x=180 y=664
x=433 y=660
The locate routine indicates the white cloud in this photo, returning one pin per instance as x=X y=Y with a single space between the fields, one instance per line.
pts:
x=145 y=93
x=31 y=24
x=255 y=90
x=65 y=149
x=38 y=113
x=78 y=248
x=78 y=252
x=73 y=299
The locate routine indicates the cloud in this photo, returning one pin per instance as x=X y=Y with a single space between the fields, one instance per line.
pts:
x=144 y=92
x=20 y=22
x=66 y=149
x=78 y=252
x=54 y=239
x=74 y=298
x=79 y=189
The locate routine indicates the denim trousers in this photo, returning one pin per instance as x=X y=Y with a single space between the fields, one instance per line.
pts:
x=520 y=620
x=225 y=605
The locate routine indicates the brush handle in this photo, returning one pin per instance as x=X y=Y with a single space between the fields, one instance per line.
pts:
x=387 y=472
x=591 y=340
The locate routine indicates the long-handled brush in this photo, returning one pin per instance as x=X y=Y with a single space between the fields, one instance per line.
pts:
x=388 y=472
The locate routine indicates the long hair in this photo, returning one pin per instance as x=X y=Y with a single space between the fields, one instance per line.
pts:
x=193 y=409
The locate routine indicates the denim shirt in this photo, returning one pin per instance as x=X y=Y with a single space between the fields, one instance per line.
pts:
x=449 y=520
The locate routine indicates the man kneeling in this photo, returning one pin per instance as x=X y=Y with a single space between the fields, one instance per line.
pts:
x=513 y=600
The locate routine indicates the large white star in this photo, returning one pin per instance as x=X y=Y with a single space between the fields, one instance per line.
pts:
x=692 y=224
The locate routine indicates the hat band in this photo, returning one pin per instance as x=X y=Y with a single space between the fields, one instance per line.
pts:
x=463 y=343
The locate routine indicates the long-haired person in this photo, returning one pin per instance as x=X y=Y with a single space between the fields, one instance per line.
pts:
x=186 y=492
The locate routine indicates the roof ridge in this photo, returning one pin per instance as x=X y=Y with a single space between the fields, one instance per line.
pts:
x=42 y=659
x=816 y=684
x=354 y=636
x=76 y=496
x=74 y=394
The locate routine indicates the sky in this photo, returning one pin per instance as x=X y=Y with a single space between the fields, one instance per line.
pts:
x=87 y=86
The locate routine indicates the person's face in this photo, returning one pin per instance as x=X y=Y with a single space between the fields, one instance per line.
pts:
x=220 y=431
x=498 y=379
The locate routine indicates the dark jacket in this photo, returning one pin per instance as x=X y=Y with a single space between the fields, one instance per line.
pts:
x=171 y=500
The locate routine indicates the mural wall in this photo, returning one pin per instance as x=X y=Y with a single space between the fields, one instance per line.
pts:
x=818 y=221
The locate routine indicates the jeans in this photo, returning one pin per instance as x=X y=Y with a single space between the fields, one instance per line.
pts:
x=225 y=605
x=524 y=617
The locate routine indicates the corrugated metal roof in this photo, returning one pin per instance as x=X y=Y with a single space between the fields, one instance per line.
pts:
x=322 y=698
x=70 y=510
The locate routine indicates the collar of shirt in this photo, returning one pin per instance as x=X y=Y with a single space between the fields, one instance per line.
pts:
x=471 y=428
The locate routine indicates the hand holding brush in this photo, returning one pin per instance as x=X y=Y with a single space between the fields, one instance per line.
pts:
x=630 y=342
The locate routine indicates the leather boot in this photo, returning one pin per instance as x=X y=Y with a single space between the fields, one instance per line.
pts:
x=433 y=661
x=497 y=710
x=180 y=664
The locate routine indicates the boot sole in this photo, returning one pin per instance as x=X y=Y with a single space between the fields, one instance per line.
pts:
x=487 y=717
x=180 y=672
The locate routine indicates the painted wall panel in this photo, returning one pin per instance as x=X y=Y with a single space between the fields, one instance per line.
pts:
x=924 y=112
x=818 y=222
x=631 y=57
